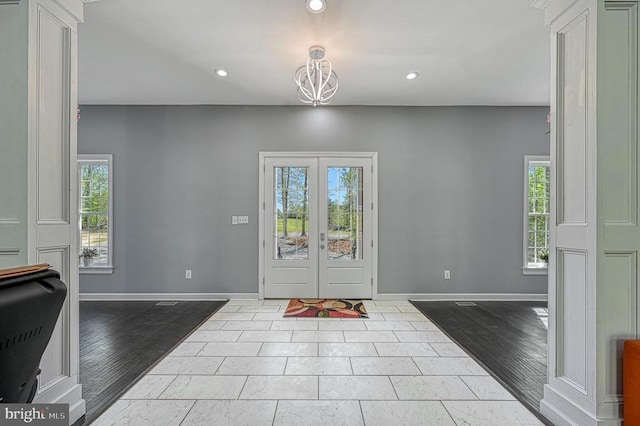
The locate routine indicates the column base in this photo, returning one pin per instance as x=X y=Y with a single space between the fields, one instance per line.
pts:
x=563 y=412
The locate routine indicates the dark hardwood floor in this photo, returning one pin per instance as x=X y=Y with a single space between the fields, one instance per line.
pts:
x=119 y=341
x=508 y=338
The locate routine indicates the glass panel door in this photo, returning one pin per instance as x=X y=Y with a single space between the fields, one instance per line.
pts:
x=344 y=213
x=291 y=213
x=291 y=227
x=317 y=227
x=345 y=228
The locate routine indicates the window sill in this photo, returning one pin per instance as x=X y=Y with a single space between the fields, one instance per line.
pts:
x=533 y=270
x=96 y=270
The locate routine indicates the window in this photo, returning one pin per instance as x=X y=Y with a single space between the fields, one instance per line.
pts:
x=536 y=220
x=95 y=213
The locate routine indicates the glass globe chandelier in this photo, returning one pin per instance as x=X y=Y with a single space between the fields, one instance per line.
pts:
x=317 y=82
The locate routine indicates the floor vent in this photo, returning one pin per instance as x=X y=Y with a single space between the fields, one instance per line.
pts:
x=166 y=303
x=466 y=304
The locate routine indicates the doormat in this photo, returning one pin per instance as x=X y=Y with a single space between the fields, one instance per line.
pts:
x=326 y=308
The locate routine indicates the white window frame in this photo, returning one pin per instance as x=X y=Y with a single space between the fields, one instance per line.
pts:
x=98 y=158
x=528 y=269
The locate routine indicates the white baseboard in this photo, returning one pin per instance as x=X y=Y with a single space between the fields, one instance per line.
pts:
x=476 y=297
x=254 y=296
x=165 y=296
x=70 y=394
x=77 y=410
x=561 y=411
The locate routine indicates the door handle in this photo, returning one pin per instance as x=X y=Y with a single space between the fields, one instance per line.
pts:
x=321 y=246
x=322 y=236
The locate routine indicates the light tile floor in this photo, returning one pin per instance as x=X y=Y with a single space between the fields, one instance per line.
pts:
x=248 y=365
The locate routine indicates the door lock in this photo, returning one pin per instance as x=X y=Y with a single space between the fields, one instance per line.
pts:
x=321 y=246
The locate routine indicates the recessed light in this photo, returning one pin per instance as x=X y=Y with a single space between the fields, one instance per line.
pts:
x=316 y=6
x=221 y=72
x=412 y=75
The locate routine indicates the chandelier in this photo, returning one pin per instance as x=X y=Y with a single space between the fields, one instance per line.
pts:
x=317 y=82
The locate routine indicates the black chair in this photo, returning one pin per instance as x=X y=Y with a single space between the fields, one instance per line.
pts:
x=29 y=308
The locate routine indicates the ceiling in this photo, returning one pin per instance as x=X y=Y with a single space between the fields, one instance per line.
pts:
x=468 y=52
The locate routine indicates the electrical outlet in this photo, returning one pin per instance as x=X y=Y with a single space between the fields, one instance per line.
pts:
x=447 y=274
x=234 y=220
x=187 y=274
x=243 y=220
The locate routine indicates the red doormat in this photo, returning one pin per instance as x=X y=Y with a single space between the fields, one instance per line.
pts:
x=326 y=308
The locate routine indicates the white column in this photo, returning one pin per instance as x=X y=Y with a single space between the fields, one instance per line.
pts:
x=38 y=195
x=593 y=281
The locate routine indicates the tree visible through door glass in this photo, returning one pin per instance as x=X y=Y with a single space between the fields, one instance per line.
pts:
x=344 y=213
x=291 y=213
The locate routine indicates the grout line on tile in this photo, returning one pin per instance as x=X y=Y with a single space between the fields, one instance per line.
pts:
x=201 y=349
x=218 y=369
x=246 y=379
x=394 y=388
x=161 y=393
x=428 y=346
x=445 y=409
x=187 y=415
x=361 y=412
x=273 y=421
x=417 y=366
x=469 y=387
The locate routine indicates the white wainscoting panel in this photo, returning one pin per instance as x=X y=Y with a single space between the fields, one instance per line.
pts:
x=572 y=120
x=52 y=182
x=620 y=115
x=571 y=323
x=593 y=269
x=55 y=360
x=618 y=185
x=619 y=316
x=10 y=207
x=13 y=147
x=9 y=258
x=52 y=132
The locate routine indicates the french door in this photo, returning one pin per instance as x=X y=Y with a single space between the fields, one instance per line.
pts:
x=317 y=226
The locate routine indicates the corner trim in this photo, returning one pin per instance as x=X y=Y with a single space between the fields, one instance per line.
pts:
x=486 y=297
x=165 y=296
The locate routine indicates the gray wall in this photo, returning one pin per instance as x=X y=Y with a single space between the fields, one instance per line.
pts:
x=450 y=191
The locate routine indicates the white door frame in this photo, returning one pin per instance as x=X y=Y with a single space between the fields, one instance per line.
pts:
x=262 y=238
